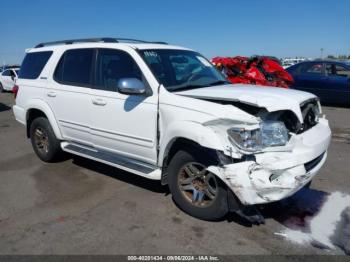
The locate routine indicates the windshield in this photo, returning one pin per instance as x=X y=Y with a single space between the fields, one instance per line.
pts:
x=182 y=69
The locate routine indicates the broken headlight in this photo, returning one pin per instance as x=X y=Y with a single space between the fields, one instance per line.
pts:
x=274 y=133
x=270 y=133
x=249 y=140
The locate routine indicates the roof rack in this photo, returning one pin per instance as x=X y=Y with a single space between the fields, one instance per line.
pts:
x=94 y=40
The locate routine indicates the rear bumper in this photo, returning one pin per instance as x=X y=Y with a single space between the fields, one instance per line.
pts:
x=277 y=175
x=20 y=114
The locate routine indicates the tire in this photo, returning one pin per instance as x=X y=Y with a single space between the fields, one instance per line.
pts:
x=45 y=144
x=1 y=88
x=197 y=204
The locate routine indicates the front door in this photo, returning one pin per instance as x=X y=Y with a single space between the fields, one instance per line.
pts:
x=122 y=124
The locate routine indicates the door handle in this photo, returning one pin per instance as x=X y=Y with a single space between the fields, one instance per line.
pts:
x=51 y=94
x=99 y=102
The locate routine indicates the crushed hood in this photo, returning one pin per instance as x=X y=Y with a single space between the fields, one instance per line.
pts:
x=270 y=98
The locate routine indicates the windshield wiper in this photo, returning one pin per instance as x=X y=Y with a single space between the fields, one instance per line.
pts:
x=187 y=87
x=190 y=86
x=220 y=82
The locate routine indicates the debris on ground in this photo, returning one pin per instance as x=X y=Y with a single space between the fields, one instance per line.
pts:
x=330 y=227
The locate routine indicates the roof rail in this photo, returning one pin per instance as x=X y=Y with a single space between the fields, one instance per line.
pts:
x=94 y=40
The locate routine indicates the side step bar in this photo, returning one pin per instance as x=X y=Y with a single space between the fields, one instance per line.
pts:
x=116 y=160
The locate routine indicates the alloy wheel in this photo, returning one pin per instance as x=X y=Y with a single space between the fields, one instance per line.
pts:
x=41 y=140
x=197 y=184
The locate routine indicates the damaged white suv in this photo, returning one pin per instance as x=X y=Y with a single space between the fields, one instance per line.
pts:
x=165 y=113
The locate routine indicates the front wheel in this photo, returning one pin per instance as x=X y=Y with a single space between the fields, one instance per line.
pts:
x=196 y=190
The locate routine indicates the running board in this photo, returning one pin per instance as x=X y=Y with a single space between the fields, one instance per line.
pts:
x=116 y=160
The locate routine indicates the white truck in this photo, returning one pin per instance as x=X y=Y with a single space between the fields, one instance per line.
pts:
x=165 y=113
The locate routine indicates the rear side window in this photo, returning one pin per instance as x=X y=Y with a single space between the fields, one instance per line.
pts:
x=33 y=64
x=312 y=68
x=75 y=67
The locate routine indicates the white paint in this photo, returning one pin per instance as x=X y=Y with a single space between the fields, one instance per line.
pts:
x=323 y=225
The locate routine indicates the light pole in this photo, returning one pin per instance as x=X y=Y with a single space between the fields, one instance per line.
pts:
x=322 y=53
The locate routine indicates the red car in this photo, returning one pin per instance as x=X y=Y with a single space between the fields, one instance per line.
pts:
x=256 y=70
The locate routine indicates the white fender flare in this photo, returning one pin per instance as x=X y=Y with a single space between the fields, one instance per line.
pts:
x=41 y=105
x=193 y=131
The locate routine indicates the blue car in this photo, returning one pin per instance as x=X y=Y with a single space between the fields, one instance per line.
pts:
x=329 y=80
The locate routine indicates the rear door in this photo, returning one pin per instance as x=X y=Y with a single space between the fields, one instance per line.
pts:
x=68 y=94
x=338 y=83
x=123 y=124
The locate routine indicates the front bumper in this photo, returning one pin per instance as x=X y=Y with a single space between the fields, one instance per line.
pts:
x=277 y=175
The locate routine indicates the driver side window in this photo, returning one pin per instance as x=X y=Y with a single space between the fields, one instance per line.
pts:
x=113 y=65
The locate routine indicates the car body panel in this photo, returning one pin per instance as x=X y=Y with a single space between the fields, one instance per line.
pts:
x=272 y=99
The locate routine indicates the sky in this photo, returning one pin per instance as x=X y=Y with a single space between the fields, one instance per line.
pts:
x=214 y=28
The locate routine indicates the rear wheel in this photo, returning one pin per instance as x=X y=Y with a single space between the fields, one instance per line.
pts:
x=196 y=190
x=45 y=144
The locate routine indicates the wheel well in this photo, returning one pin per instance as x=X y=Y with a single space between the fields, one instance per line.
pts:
x=31 y=115
x=217 y=156
x=189 y=145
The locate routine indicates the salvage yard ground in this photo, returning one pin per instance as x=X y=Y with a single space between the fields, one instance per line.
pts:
x=82 y=207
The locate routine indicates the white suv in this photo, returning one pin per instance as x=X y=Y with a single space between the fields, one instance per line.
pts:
x=165 y=113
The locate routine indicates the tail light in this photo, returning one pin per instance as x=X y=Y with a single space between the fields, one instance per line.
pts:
x=15 y=89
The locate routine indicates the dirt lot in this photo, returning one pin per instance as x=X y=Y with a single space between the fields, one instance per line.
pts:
x=83 y=207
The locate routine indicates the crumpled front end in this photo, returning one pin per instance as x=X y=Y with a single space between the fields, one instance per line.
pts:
x=275 y=175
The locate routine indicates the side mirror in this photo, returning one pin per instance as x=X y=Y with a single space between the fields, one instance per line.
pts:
x=131 y=86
